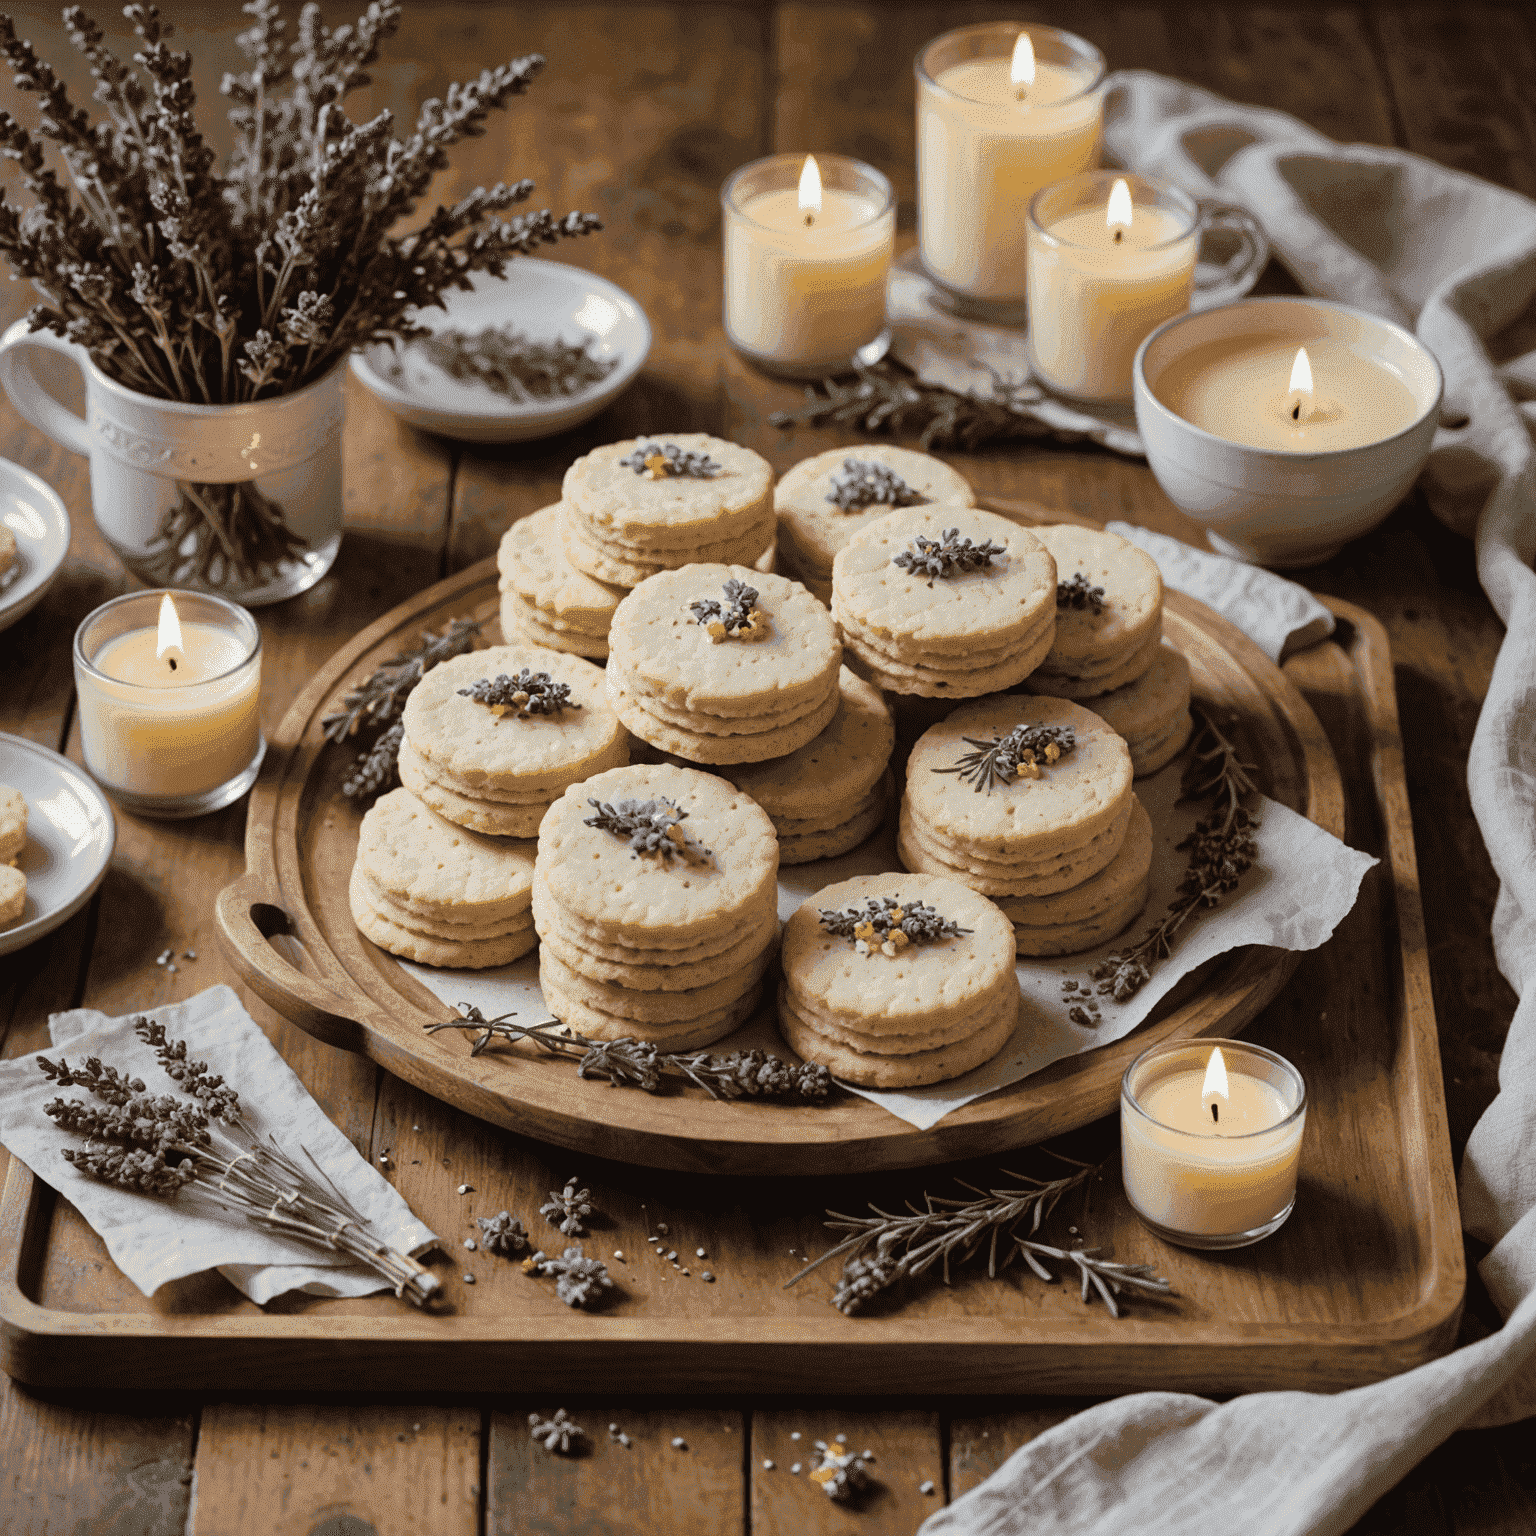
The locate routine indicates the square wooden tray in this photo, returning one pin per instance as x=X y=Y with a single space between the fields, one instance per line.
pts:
x=1365 y=1280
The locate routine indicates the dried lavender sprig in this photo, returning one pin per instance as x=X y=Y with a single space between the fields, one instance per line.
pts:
x=106 y=1083
x=648 y=826
x=864 y=483
x=946 y=1231
x=1017 y=755
x=218 y=1099
x=947 y=556
x=511 y=363
x=380 y=698
x=629 y=1063
x=529 y=693
x=880 y=918
x=378 y=768
x=661 y=461
x=1078 y=593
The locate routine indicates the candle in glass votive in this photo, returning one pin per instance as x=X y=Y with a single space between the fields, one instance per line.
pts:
x=1210 y=1141
x=169 y=696
x=1110 y=258
x=1002 y=111
x=808 y=246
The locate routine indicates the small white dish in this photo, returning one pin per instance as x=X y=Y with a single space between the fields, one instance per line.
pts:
x=544 y=299
x=32 y=510
x=70 y=836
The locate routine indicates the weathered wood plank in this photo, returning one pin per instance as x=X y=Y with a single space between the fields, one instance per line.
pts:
x=650 y=1487
x=337 y=1471
x=979 y=1444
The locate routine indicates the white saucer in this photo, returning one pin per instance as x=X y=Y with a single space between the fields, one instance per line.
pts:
x=31 y=509
x=70 y=836
x=545 y=299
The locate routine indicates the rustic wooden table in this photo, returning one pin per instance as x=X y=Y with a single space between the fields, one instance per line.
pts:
x=643 y=111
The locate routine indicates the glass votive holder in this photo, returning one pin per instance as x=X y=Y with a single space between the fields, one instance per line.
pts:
x=997 y=120
x=1208 y=1168
x=807 y=254
x=170 y=706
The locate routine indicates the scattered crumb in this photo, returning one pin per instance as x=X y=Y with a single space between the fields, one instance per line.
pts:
x=794 y=1434
x=416 y=1428
x=415 y=1127
x=926 y=1487
x=471 y=1244
x=699 y=1253
x=841 y=1439
x=469 y=1279
x=795 y=1467
x=767 y=1465
x=618 y=1253
x=170 y=965
x=189 y=954
x=383 y=1159
x=678 y=1443
x=623 y=1438
x=673 y=1254
x=465 y=1189
x=162 y=957
x=663 y=1228
x=707 y=1276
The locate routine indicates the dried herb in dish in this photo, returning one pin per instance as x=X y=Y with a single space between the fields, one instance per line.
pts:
x=509 y=362
x=1018 y=755
x=949 y=556
x=863 y=483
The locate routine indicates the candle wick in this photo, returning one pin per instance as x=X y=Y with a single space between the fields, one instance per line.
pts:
x=810 y=219
x=1296 y=411
x=1215 y=1112
x=172 y=661
x=1119 y=236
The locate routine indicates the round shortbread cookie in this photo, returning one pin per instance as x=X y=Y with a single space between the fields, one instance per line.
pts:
x=434 y=867
x=889 y=1042
x=1040 y=940
x=620 y=1002
x=674 y=512
x=593 y=874
x=1078 y=860
x=509 y=752
x=521 y=624
x=802 y=826
x=927 y=620
x=532 y=562
x=914 y=1071
x=930 y=683
x=13 y=894
x=1147 y=756
x=695 y=747
x=13 y=822
x=722 y=976
x=834 y=769
x=688 y=1035
x=1094 y=684
x=1130 y=609
x=1148 y=708
x=657 y=641
x=432 y=928
x=491 y=817
x=661 y=944
x=624 y=571
x=714 y=725
x=818 y=528
x=923 y=984
x=889 y=653
x=1099 y=893
x=545 y=621
x=530 y=794
x=807 y=847
x=474 y=955
x=1076 y=798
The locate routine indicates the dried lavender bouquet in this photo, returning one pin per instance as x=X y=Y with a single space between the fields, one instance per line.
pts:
x=216 y=285
x=162 y=1145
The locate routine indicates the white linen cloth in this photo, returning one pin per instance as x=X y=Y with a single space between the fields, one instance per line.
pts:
x=1456 y=259
x=153 y=1240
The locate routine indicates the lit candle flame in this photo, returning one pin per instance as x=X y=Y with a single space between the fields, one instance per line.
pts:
x=1300 y=389
x=169 y=638
x=1215 y=1085
x=1118 y=218
x=810 y=189
x=1022 y=70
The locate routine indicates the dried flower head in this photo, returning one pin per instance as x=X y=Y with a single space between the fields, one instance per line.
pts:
x=502 y=1233
x=949 y=556
x=889 y=924
x=738 y=615
x=842 y=1475
x=558 y=1435
x=649 y=826
x=508 y=362
x=1077 y=593
x=1023 y=753
x=566 y=1207
x=529 y=693
x=579 y=1281
x=864 y=483
x=664 y=461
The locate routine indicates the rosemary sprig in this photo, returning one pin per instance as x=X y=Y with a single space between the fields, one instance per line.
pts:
x=1221 y=851
x=946 y=1231
x=630 y=1063
x=1018 y=755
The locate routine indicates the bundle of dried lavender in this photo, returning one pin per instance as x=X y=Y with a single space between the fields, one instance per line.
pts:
x=162 y=1145
x=945 y=1230
x=630 y=1063
x=511 y=363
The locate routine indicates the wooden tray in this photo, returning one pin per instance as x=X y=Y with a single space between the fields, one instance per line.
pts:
x=301 y=838
x=1365 y=1280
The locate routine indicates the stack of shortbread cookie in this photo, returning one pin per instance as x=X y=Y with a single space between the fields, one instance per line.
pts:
x=946 y=602
x=655 y=896
x=13 y=838
x=545 y=600
x=823 y=501
x=833 y=792
x=1109 y=613
x=894 y=981
x=718 y=664
x=634 y=508
x=1023 y=798
x=432 y=891
x=1152 y=713
x=495 y=763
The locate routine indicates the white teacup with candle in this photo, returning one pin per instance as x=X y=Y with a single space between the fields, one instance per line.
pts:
x=808 y=247
x=1210 y=1140
x=1002 y=111
x=1282 y=459
x=169 y=689
x=1111 y=257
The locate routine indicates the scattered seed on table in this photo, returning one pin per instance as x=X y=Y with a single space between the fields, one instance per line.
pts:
x=618 y=1253
x=466 y=1189
x=685 y=1271
x=623 y=1438
x=383 y=1160
x=162 y=957
x=678 y=1443
x=469 y=1279
x=189 y=954
x=471 y=1244
x=767 y=1465
x=699 y=1253
x=794 y=1434
x=673 y=1254
x=926 y=1487
x=707 y=1276
x=841 y=1439
x=796 y=1467
x=663 y=1228
x=415 y=1127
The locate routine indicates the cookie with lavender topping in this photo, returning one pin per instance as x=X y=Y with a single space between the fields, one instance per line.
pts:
x=1151 y=713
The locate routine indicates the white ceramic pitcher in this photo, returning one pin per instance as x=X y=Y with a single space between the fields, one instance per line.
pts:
x=178 y=489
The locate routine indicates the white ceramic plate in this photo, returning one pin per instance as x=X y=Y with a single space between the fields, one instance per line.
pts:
x=31 y=509
x=544 y=299
x=70 y=836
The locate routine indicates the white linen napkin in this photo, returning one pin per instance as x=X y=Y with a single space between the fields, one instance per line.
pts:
x=1456 y=258
x=154 y=1240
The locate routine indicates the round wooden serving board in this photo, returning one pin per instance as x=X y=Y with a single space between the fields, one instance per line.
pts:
x=301 y=835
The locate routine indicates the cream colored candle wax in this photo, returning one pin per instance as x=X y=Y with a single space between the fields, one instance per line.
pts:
x=170 y=712
x=1211 y=1152
x=1101 y=279
x=991 y=132
x=1246 y=389
x=806 y=264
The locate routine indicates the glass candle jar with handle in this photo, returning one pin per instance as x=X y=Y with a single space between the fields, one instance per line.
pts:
x=1210 y=1140
x=169 y=690
x=808 y=247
